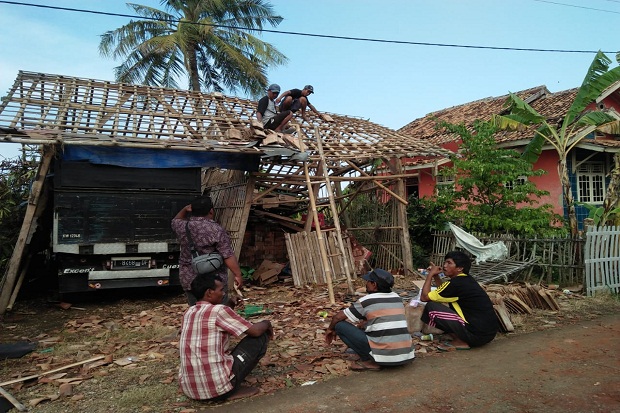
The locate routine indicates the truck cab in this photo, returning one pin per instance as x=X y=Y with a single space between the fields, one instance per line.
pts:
x=111 y=224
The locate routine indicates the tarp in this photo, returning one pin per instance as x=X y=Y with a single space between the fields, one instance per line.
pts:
x=494 y=251
x=161 y=158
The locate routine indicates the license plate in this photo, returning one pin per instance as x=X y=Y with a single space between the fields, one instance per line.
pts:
x=130 y=263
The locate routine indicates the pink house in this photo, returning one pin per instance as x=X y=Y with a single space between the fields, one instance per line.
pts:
x=590 y=161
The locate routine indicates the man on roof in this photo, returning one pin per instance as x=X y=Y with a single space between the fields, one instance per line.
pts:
x=267 y=113
x=296 y=99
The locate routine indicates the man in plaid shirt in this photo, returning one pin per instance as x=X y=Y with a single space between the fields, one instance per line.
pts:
x=208 y=371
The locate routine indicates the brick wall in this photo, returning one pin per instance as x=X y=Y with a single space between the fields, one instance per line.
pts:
x=264 y=240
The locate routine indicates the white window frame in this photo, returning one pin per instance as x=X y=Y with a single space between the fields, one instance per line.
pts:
x=445 y=183
x=590 y=177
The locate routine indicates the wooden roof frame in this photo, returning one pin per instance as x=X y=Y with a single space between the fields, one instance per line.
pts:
x=55 y=110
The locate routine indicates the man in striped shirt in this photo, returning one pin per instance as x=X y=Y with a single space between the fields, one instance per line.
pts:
x=208 y=370
x=381 y=337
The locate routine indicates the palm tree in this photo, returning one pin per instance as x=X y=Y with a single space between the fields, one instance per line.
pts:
x=209 y=41
x=573 y=128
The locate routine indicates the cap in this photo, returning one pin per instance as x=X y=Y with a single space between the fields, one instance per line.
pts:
x=379 y=274
x=274 y=88
x=310 y=88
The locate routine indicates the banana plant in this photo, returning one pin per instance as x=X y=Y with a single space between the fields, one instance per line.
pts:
x=572 y=129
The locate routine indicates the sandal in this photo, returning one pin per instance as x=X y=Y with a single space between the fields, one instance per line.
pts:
x=450 y=347
x=360 y=366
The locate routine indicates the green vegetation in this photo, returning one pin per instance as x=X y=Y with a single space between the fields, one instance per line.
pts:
x=572 y=128
x=210 y=42
x=15 y=179
x=492 y=193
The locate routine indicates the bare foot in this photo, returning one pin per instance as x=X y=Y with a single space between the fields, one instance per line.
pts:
x=459 y=344
x=243 y=392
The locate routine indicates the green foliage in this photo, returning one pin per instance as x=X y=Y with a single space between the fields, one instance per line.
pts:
x=598 y=213
x=15 y=179
x=493 y=192
x=246 y=273
x=573 y=127
x=212 y=43
x=425 y=216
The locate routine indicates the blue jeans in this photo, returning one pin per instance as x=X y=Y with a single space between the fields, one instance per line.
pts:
x=355 y=338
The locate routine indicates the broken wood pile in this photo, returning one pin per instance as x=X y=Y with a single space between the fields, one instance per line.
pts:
x=519 y=299
x=268 y=136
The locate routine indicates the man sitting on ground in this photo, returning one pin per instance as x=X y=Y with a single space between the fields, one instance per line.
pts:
x=208 y=371
x=385 y=341
x=470 y=320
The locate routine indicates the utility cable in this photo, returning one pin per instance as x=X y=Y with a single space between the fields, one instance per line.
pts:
x=325 y=36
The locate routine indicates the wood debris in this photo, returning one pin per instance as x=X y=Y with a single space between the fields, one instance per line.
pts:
x=519 y=299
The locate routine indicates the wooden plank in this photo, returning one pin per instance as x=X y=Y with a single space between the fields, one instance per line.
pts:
x=503 y=317
x=36 y=376
x=20 y=407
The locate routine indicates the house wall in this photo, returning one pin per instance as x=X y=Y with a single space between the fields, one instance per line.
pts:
x=550 y=181
x=426 y=185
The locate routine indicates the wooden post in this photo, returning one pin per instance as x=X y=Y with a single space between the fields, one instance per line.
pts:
x=332 y=205
x=401 y=189
x=20 y=245
x=249 y=193
x=315 y=188
x=319 y=233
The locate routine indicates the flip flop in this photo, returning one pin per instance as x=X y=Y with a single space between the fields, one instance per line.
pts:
x=359 y=366
x=450 y=347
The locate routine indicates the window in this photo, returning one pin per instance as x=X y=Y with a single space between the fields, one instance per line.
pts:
x=516 y=183
x=412 y=187
x=445 y=183
x=591 y=182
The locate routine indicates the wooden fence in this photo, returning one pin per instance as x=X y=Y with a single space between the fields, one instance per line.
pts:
x=306 y=262
x=557 y=260
x=602 y=260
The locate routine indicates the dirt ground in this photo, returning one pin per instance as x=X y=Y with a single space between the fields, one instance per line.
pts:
x=130 y=339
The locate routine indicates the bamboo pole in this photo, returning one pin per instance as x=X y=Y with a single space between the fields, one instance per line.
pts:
x=315 y=188
x=36 y=376
x=332 y=205
x=13 y=400
x=319 y=233
x=18 y=285
x=20 y=245
x=403 y=222
x=379 y=184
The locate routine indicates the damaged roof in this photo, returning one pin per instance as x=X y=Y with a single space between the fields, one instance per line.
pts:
x=552 y=105
x=43 y=108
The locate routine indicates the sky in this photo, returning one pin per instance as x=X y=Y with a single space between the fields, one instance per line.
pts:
x=385 y=82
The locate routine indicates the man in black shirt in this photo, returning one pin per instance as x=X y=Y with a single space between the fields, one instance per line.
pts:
x=296 y=99
x=470 y=318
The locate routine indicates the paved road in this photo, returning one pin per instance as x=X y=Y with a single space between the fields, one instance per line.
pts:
x=573 y=368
